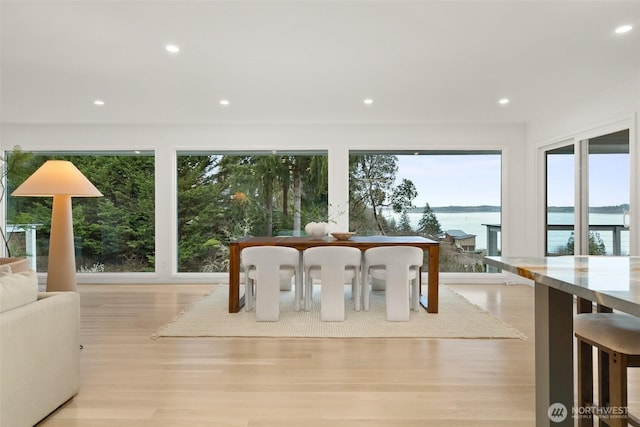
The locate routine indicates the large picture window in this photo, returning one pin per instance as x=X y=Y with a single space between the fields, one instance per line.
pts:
x=452 y=197
x=114 y=233
x=225 y=196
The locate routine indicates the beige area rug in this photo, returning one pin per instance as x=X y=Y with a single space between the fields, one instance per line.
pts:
x=457 y=318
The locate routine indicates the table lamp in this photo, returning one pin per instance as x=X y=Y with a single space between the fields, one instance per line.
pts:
x=62 y=180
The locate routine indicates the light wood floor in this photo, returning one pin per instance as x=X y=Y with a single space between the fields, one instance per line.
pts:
x=131 y=380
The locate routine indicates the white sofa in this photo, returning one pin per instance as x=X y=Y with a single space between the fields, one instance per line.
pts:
x=39 y=349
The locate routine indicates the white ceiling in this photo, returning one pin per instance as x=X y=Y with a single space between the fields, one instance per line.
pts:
x=309 y=61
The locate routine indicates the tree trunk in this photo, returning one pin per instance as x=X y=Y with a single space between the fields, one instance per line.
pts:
x=269 y=208
x=376 y=217
x=297 y=202
x=285 y=199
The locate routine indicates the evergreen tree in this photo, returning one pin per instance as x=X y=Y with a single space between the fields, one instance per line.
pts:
x=429 y=224
x=405 y=226
x=596 y=245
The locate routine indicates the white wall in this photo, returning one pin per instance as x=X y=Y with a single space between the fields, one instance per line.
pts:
x=337 y=140
x=590 y=112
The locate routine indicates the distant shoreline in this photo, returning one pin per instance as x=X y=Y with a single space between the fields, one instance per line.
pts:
x=487 y=208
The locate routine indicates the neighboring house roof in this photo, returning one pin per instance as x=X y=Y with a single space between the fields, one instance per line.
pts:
x=459 y=234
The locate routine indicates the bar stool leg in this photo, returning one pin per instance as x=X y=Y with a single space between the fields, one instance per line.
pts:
x=603 y=383
x=585 y=368
x=618 y=388
x=585 y=381
x=604 y=375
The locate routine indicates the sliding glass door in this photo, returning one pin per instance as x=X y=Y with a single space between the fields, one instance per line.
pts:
x=587 y=196
x=607 y=181
x=560 y=195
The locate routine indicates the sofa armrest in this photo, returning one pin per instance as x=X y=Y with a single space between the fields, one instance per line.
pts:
x=39 y=357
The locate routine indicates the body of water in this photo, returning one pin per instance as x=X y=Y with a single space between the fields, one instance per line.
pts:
x=472 y=223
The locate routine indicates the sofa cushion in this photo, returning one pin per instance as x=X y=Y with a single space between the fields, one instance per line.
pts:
x=15 y=264
x=18 y=289
x=5 y=269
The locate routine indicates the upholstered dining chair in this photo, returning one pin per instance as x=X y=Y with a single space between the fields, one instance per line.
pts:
x=333 y=266
x=265 y=267
x=617 y=338
x=399 y=267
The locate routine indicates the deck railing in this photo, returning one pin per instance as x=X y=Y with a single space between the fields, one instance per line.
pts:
x=615 y=245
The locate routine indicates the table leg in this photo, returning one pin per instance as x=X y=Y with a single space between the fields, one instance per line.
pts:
x=554 y=356
x=434 y=278
x=235 y=302
x=299 y=292
x=431 y=302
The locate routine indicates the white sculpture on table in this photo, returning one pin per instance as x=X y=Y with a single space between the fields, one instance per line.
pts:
x=317 y=229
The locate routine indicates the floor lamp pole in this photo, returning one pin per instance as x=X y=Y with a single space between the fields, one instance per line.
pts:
x=61 y=271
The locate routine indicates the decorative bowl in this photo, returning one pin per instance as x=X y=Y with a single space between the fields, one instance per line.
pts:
x=343 y=236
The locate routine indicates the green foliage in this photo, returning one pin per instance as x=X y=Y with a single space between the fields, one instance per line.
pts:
x=404 y=226
x=596 y=245
x=371 y=189
x=371 y=185
x=15 y=163
x=429 y=225
x=201 y=207
x=223 y=198
x=403 y=196
x=118 y=229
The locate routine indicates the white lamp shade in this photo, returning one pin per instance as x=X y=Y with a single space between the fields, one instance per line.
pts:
x=57 y=177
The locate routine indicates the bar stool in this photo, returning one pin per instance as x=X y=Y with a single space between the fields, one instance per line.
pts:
x=617 y=337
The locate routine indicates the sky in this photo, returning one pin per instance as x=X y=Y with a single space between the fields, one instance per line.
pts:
x=471 y=180
x=448 y=180
x=608 y=180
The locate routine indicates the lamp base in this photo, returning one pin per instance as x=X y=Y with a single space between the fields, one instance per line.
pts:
x=61 y=270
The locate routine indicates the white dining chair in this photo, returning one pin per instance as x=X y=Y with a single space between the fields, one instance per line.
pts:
x=265 y=267
x=399 y=268
x=333 y=266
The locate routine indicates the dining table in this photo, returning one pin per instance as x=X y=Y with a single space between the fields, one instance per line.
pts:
x=428 y=301
x=561 y=286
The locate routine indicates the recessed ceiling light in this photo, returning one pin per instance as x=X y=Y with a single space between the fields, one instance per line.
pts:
x=172 y=48
x=224 y=102
x=503 y=101
x=368 y=101
x=624 y=29
x=98 y=102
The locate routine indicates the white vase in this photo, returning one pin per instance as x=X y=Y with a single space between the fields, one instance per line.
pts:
x=316 y=229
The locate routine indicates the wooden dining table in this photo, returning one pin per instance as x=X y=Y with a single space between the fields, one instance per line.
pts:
x=430 y=301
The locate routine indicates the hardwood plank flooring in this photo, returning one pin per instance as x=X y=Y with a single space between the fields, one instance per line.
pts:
x=131 y=380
